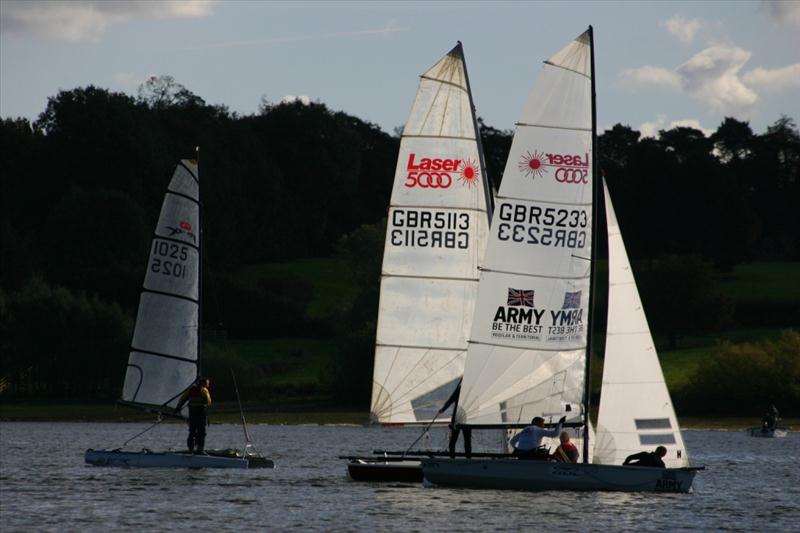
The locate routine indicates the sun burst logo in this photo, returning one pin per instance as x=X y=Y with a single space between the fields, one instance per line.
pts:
x=468 y=172
x=531 y=164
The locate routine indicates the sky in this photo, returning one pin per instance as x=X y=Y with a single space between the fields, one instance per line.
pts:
x=658 y=64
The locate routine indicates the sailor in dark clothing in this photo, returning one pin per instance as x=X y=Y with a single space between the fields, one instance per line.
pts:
x=199 y=399
x=647 y=458
x=770 y=419
x=454 y=429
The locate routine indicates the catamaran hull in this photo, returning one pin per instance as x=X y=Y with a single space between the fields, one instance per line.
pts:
x=149 y=459
x=402 y=472
x=767 y=434
x=543 y=475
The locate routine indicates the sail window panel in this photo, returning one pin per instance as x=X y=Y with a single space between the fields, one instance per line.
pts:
x=560 y=99
x=408 y=383
x=166 y=325
x=550 y=166
x=184 y=182
x=657 y=439
x=653 y=423
x=621 y=405
x=425 y=313
x=426 y=406
x=438 y=172
x=155 y=380
x=173 y=268
x=179 y=220
x=531 y=312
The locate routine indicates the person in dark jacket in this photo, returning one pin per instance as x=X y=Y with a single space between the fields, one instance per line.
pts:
x=199 y=399
x=653 y=459
x=454 y=429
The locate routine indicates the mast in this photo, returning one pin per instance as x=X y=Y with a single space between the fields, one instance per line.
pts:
x=486 y=187
x=199 y=267
x=587 y=391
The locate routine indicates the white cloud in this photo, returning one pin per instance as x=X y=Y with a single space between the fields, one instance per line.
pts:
x=782 y=13
x=650 y=75
x=778 y=79
x=683 y=29
x=290 y=99
x=712 y=76
x=88 y=20
x=126 y=79
x=651 y=129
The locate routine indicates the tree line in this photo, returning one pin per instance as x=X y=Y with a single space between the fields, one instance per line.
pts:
x=82 y=187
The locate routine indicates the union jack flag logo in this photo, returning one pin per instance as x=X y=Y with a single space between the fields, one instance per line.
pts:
x=572 y=300
x=517 y=297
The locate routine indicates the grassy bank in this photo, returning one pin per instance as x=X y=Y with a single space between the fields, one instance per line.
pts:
x=222 y=413
x=229 y=414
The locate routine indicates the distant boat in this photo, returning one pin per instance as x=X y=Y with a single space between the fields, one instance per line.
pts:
x=165 y=353
x=768 y=433
x=436 y=234
x=530 y=345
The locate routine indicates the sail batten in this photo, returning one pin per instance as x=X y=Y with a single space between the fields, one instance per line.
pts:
x=436 y=233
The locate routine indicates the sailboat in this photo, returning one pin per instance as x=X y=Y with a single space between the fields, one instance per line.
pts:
x=436 y=233
x=529 y=352
x=165 y=353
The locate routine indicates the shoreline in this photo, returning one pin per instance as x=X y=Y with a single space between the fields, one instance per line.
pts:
x=294 y=415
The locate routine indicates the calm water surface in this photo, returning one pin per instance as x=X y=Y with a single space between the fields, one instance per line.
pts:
x=750 y=485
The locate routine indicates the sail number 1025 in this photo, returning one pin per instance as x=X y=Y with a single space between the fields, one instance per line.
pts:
x=169 y=259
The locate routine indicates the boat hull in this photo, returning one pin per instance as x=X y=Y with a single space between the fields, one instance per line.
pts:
x=544 y=475
x=403 y=472
x=149 y=459
x=768 y=434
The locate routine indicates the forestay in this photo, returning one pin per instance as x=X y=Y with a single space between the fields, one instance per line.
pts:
x=636 y=411
x=163 y=359
x=527 y=349
x=435 y=238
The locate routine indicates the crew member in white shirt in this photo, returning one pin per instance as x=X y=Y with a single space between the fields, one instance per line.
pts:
x=526 y=443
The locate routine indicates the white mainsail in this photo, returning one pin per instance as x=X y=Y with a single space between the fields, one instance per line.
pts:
x=527 y=352
x=435 y=238
x=636 y=411
x=163 y=360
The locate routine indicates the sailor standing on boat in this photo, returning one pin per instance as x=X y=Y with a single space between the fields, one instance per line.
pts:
x=526 y=443
x=199 y=399
x=454 y=428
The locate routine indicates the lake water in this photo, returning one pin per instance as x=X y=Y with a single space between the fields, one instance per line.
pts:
x=749 y=485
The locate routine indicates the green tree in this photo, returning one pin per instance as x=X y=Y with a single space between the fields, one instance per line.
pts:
x=744 y=378
x=682 y=296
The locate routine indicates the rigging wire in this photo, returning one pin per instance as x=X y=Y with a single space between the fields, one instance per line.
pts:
x=157 y=422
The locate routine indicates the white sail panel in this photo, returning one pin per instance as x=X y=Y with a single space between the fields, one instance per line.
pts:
x=425 y=313
x=415 y=382
x=528 y=340
x=164 y=349
x=436 y=234
x=636 y=412
x=166 y=325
